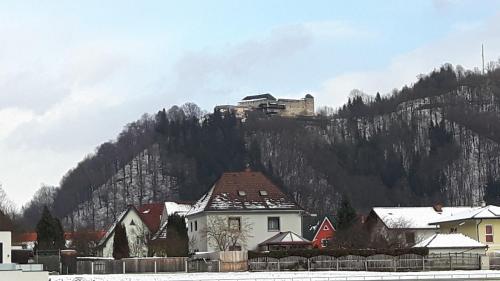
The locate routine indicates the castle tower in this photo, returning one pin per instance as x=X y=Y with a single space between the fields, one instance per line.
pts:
x=309 y=104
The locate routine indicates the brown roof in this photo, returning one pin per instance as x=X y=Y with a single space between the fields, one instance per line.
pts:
x=151 y=215
x=244 y=191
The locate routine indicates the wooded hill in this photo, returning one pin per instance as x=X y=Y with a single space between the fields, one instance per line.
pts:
x=438 y=140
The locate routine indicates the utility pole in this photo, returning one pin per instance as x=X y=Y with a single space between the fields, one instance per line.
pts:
x=482 y=55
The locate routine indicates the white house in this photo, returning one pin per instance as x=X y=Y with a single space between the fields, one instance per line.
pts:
x=440 y=243
x=147 y=222
x=409 y=225
x=137 y=233
x=246 y=200
x=5 y=246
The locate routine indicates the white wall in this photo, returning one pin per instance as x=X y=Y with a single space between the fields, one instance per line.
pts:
x=5 y=239
x=19 y=275
x=289 y=221
x=137 y=245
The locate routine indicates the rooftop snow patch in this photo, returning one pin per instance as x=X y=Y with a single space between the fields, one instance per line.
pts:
x=415 y=217
x=452 y=240
x=487 y=212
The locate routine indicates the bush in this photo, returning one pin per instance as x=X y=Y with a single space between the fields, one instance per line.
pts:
x=309 y=253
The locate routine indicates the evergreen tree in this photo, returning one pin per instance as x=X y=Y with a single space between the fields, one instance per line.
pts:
x=177 y=236
x=120 y=243
x=346 y=215
x=50 y=234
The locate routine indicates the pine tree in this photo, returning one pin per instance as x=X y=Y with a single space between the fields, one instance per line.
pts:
x=50 y=234
x=346 y=215
x=120 y=243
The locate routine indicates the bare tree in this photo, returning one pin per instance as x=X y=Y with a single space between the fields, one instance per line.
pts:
x=227 y=233
x=191 y=110
x=7 y=206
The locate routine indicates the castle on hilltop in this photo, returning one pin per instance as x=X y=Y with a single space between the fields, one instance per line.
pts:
x=269 y=105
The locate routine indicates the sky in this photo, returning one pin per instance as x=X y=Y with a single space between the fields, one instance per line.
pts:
x=73 y=73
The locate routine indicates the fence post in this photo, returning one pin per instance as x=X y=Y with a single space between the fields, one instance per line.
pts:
x=186 y=265
x=423 y=263
x=92 y=268
x=337 y=260
x=451 y=261
x=279 y=267
x=366 y=265
x=155 y=266
x=308 y=264
x=123 y=266
x=219 y=264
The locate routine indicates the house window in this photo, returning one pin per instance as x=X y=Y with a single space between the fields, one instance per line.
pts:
x=195 y=225
x=132 y=222
x=489 y=233
x=273 y=224
x=242 y=193
x=191 y=226
x=234 y=223
x=324 y=243
x=410 y=238
x=263 y=193
x=453 y=230
x=325 y=227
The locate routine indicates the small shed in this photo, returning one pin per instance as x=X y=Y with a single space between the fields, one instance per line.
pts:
x=284 y=241
x=440 y=243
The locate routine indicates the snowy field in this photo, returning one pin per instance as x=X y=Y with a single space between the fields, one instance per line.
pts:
x=289 y=276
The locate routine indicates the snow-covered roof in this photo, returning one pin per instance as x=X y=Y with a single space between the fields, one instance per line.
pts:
x=244 y=191
x=451 y=240
x=415 y=217
x=487 y=212
x=176 y=208
x=287 y=237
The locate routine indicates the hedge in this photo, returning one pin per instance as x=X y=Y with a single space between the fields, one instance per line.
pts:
x=308 y=253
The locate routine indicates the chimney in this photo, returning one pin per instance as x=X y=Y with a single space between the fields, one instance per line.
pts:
x=438 y=207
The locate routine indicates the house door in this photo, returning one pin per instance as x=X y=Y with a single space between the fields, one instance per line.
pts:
x=1 y=253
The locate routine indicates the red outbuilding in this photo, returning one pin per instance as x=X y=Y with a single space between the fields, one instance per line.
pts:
x=324 y=234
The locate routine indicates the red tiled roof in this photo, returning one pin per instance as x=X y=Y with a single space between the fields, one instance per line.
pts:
x=151 y=215
x=94 y=235
x=32 y=236
x=25 y=237
x=244 y=191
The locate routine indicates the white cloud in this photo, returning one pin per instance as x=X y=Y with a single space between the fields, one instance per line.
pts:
x=461 y=47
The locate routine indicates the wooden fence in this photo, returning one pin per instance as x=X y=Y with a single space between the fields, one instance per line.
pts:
x=494 y=261
x=132 y=265
x=407 y=262
x=231 y=261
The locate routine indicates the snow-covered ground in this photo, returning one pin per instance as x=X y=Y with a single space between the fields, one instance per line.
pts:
x=289 y=276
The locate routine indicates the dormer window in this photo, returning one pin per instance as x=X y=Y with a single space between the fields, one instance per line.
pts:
x=132 y=222
x=242 y=193
x=263 y=193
